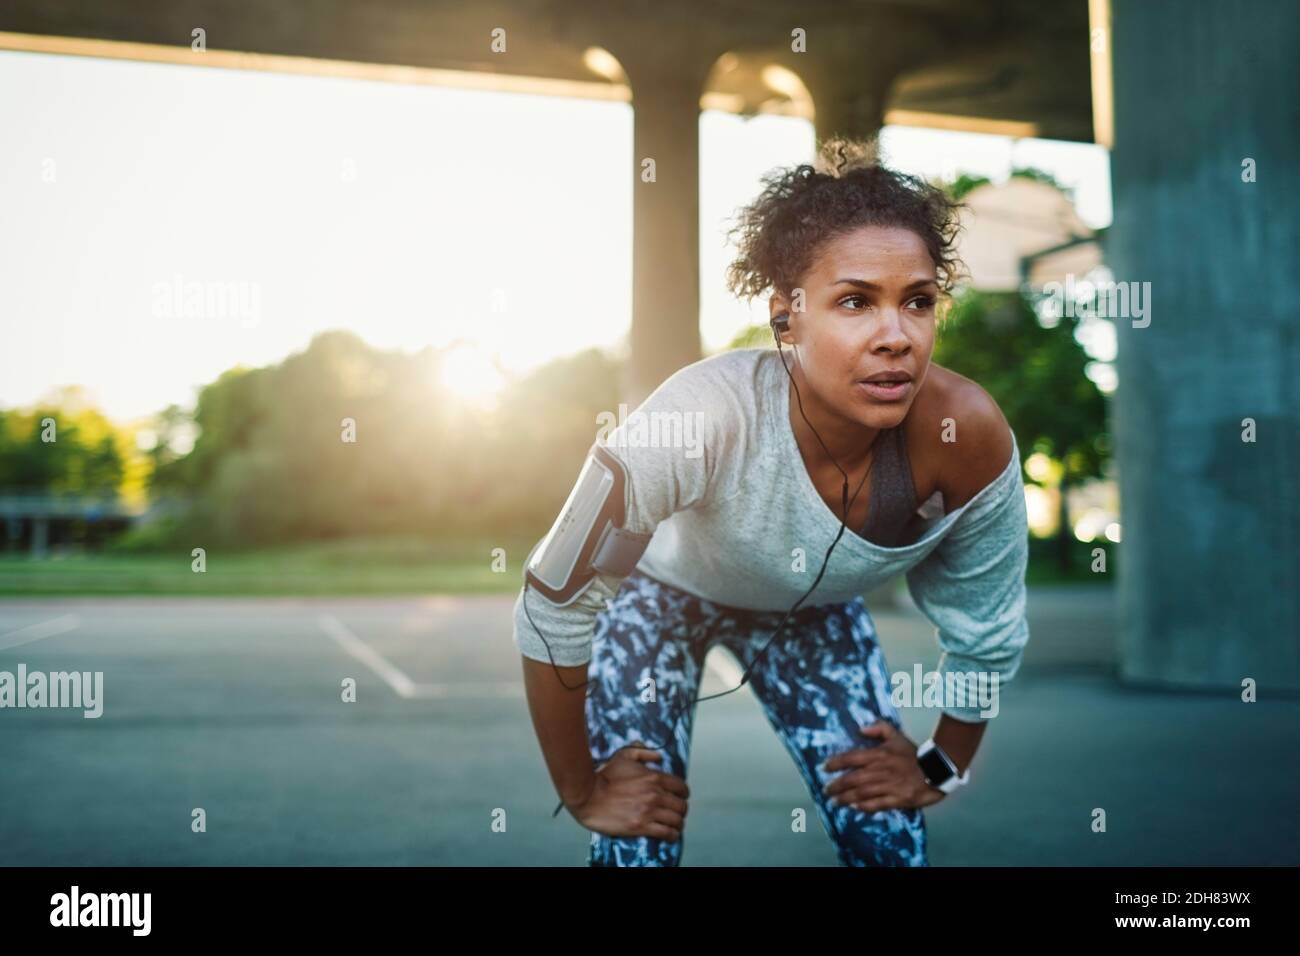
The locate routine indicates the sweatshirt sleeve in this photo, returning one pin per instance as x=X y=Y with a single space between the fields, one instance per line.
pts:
x=972 y=588
x=672 y=446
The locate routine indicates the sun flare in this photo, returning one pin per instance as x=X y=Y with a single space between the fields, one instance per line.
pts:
x=471 y=374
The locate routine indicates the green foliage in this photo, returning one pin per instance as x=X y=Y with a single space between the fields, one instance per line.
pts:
x=964 y=184
x=83 y=459
x=750 y=337
x=147 y=537
x=392 y=564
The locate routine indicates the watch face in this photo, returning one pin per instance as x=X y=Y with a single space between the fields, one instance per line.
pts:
x=935 y=768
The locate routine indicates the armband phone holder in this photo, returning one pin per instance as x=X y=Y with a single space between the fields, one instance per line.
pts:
x=588 y=537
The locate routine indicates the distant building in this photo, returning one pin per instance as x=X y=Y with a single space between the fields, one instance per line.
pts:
x=1024 y=231
x=36 y=522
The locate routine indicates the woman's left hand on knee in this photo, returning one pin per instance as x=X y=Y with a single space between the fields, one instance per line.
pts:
x=884 y=776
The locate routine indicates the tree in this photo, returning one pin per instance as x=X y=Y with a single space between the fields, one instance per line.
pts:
x=271 y=462
x=85 y=457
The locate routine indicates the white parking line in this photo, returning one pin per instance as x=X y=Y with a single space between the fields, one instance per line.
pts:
x=402 y=685
x=35 y=632
x=724 y=667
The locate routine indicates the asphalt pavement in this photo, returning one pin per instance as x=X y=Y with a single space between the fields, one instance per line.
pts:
x=234 y=707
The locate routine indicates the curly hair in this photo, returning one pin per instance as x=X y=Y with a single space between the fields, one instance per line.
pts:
x=781 y=232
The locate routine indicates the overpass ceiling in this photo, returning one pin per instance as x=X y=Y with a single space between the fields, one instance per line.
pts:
x=1024 y=61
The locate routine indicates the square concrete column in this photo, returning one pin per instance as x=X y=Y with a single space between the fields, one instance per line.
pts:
x=1207 y=412
x=665 y=228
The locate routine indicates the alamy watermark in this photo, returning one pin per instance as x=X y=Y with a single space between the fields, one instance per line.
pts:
x=1100 y=298
x=130 y=910
x=83 y=690
x=918 y=688
x=207 y=299
x=652 y=429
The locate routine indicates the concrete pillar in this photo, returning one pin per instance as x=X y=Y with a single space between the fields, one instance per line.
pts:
x=665 y=219
x=40 y=536
x=13 y=531
x=845 y=108
x=1209 y=564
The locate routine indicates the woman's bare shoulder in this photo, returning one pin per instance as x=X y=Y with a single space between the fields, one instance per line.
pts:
x=958 y=435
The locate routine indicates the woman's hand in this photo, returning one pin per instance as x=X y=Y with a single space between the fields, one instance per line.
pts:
x=883 y=777
x=631 y=799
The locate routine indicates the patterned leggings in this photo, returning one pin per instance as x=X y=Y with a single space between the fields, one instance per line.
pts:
x=821 y=680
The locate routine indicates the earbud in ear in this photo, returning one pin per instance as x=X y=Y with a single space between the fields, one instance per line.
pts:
x=781 y=322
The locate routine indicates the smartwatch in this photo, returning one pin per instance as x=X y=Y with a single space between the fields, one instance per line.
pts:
x=939 y=770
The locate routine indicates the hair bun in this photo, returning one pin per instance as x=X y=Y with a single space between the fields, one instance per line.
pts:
x=839 y=155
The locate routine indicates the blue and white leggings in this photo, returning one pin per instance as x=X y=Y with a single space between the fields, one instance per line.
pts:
x=820 y=681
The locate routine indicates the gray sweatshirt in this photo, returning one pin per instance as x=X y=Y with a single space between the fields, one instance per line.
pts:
x=715 y=473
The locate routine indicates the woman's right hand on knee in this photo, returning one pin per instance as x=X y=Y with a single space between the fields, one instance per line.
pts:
x=632 y=799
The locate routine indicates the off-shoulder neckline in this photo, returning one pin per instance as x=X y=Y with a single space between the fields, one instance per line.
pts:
x=789 y=450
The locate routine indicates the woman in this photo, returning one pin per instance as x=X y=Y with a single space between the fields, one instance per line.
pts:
x=857 y=259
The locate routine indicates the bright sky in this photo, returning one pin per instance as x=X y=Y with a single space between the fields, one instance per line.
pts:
x=412 y=215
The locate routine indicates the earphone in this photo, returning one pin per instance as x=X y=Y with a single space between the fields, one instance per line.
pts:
x=779 y=323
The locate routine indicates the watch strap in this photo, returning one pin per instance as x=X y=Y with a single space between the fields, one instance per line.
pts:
x=953 y=780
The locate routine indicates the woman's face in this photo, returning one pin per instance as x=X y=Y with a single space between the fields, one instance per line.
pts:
x=869 y=308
